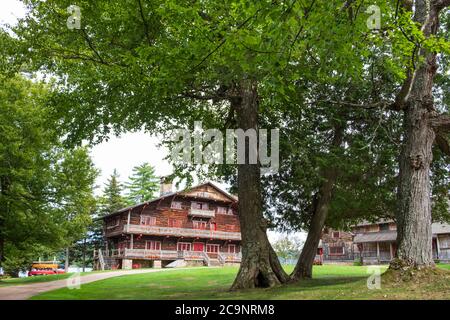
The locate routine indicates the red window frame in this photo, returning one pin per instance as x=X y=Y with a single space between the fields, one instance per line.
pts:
x=199 y=224
x=184 y=246
x=234 y=250
x=174 y=223
x=212 y=248
x=147 y=220
x=152 y=245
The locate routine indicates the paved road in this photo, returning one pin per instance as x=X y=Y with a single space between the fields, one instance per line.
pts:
x=22 y=292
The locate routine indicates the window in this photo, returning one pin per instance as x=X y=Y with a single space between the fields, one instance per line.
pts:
x=222 y=210
x=183 y=246
x=176 y=205
x=384 y=227
x=336 y=234
x=336 y=250
x=174 y=223
x=370 y=249
x=230 y=211
x=148 y=220
x=203 y=194
x=213 y=226
x=153 y=245
x=114 y=222
x=212 y=248
x=199 y=224
x=199 y=205
x=232 y=248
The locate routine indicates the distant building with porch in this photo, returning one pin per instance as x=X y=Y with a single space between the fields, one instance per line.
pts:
x=375 y=243
x=195 y=226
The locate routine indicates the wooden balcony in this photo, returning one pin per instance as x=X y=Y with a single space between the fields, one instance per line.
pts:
x=168 y=255
x=181 y=232
x=202 y=213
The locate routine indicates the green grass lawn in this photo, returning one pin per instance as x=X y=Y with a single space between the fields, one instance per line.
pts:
x=330 y=282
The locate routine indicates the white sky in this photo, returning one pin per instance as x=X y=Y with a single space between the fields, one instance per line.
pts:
x=121 y=153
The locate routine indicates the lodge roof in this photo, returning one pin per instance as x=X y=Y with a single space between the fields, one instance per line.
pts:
x=368 y=223
x=375 y=237
x=439 y=227
x=228 y=195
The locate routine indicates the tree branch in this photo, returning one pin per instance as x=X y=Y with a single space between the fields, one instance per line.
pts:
x=141 y=11
x=441 y=123
x=375 y=105
x=443 y=144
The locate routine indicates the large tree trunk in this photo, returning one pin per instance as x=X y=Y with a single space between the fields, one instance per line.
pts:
x=321 y=205
x=414 y=212
x=260 y=266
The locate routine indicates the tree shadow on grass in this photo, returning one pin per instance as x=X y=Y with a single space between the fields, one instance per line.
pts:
x=327 y=281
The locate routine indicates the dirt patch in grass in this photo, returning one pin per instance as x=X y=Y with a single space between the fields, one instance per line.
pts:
x=415 y=278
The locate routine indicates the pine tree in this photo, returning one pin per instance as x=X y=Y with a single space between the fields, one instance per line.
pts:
x=143 y=184
x=113 y=199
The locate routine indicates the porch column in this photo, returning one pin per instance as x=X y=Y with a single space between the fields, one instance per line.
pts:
x=128 y=220
x=378 y=251
x=391 y=250
x=438 y=250
x=132 y=242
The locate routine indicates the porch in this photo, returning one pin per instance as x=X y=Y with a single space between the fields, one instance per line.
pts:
x=207 y=258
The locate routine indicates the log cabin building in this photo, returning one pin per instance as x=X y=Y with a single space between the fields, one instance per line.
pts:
x=375 y=243
x=195 y=226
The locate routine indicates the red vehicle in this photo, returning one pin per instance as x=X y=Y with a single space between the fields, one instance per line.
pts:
x=44 y=268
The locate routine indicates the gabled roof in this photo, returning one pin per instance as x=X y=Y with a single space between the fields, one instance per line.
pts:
x=379 y=221
x=181 y=193
x=375 y=237
x=440 y=228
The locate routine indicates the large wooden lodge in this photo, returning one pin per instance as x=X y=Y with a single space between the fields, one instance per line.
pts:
x=375 y=242
x=195 y=226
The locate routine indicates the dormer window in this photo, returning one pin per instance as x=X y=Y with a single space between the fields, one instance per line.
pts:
x=203 y=194
x=112 y=223
x=176 y=205
x=222 y=210
x=148 y=220
x=199 y=224
x=199 y=205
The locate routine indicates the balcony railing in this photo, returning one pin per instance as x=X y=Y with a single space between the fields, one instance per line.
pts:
x=202 y=213
x=181 y=232
x=169 y=255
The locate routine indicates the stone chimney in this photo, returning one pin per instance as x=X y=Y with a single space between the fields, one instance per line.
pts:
x=166 y=185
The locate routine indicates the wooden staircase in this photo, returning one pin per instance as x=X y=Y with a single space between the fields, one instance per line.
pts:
x=105 y=262
x=215 y=263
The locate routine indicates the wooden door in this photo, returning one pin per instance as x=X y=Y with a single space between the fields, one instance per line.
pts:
x=198 y=246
